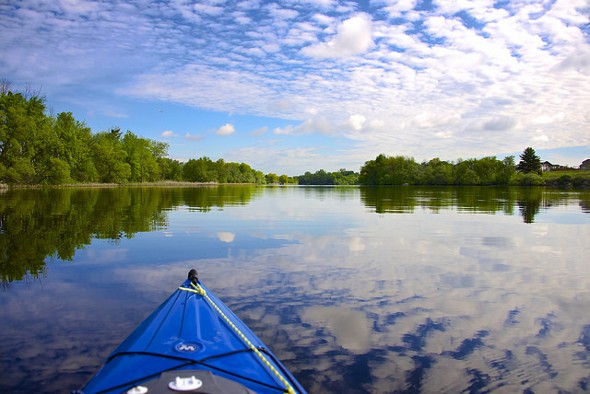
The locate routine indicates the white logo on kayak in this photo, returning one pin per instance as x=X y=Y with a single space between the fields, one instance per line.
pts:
x=186 y=347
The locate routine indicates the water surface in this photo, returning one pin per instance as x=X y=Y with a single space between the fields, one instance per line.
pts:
x=357 y=290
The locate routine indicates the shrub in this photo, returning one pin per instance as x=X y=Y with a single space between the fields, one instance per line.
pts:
x=528 y=179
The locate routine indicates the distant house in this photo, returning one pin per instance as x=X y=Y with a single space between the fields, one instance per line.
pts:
x=585 y=165
x=546 y=166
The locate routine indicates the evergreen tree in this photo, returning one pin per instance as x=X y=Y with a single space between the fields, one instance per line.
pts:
x=529 y=162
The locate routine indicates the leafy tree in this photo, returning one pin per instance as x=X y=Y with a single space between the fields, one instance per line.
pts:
x=284 y=179
x=506 y=170
x=320 y=177
x=465 y=173
x=272 y=178
x=529 y=162
x=170 y=169
x=74 y=145
x=370 y=172
x=142 y=156
x=386 y=170
x=25 y=132
x=437 y=172
x=109 y=157
x=198 y=170
x=345 y=177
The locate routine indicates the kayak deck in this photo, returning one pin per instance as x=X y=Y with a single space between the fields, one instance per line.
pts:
x=192 y=337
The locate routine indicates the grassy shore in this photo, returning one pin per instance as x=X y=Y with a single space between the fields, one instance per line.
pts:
x=568 y=179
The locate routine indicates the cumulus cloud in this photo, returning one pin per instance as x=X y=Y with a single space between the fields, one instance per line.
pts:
x=353 y=37
x=317 y=123
x=356 y=121
x=168 y=134
x=226 y=129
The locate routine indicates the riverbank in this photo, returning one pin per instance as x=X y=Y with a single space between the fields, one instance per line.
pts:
x=570 y=179
x=107 y=185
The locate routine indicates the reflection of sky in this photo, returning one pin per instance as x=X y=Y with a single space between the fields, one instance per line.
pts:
x=353 y=301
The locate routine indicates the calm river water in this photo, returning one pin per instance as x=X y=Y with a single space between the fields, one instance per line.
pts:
x=357 y=290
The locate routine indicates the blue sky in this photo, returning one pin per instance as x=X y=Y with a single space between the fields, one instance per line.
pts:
x=298 y=85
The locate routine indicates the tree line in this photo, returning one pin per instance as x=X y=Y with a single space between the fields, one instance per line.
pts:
x=321 y=177
x=401 y=170
x=36 y=148
x=39 y=149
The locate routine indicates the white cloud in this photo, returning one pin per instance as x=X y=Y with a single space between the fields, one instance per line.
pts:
x=354 y=36
x=323 y=20
x=320 y=3
x=281 y=14
x=549 y=118
x=226 y=129
x=193 y=137
x=397 y=8
x=168 y=134
x=208 y=9
x=540 y=137
x=78 y=6
x=316 y=123
x=357 y=122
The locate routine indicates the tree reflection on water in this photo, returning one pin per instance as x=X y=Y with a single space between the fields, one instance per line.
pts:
x=37 y=224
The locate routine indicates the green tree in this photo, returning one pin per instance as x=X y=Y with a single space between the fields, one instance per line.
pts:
x=370 y=172
x=73 y=146
x=25 y=135
x=345 y=177
x=506 y=170
x=272 y=178
x=437 y=172
x=320 y=177
x=284 y=179
x=170 y=169
x=386 y=170
x=465 y=173
x=199 y=170
x=529 y=162
x=109 y=157
x=142 y=157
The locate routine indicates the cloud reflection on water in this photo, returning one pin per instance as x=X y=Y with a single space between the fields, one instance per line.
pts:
x=455 y=302
x=431 y=303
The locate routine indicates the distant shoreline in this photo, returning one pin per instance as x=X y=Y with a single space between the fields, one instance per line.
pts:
x=574 y=179
x=114 y=185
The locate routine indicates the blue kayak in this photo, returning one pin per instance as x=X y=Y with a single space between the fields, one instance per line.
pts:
x=192 y=343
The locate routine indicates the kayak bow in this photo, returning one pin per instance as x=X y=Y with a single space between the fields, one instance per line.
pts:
x=192 y=343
